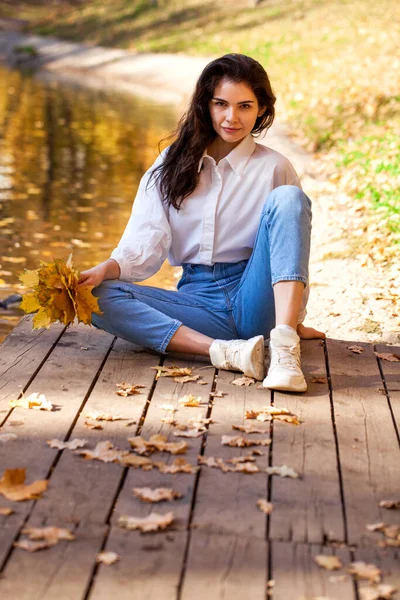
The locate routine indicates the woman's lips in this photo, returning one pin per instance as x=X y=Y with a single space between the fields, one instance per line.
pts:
x=230 y=129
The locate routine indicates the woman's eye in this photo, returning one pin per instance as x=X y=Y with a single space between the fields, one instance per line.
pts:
x=245 y=105
x=219 y=103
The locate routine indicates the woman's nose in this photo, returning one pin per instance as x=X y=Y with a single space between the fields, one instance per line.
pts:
x=231 y=114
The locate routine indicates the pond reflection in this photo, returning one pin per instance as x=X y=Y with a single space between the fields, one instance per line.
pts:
x=70 y=162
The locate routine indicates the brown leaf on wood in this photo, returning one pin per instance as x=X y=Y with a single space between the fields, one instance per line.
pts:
x=104 y=451
x=156 y=494
x=5 y=511
x=127 y=389
x=31 y=546
x=283 y=471
x=153 y=522
x=98 y=416
x=180 y=465
x=391 y=357
x=318 y=379
x=7 y=437
x=107 y=558
x=246 y=381
x=241 y=442
x=218 y=394
x=246 y=467
x=272 y=412
x=132 y=460
x=190 y=400
x=330 y=563
x=382 y=591
x=167 y=407
x=172 y=371
x=157 y=442
x=389 y=503
x=43 y=537
x=186 y=378
x=193 y=432
x=241 y=459
x=356 y=349
x=12 y=486
x=375 y=526
x=248 y=429
x=264 y=506
x=364 y=570
x=71 y=445
x=92 y=424
x=34 y=401
x=218 y=463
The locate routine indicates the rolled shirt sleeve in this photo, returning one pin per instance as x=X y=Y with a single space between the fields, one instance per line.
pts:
x=146 y=241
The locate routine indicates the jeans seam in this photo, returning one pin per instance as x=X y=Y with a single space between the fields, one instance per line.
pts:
x=289 y=278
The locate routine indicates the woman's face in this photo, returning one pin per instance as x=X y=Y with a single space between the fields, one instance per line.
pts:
x=234 y=109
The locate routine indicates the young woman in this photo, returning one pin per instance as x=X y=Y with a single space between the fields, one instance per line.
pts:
x=232 y=213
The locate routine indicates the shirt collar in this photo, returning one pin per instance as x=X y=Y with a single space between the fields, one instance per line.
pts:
x=238 y=157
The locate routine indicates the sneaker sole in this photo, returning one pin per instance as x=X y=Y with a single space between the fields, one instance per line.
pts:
x=256 y=367
x=300 y=387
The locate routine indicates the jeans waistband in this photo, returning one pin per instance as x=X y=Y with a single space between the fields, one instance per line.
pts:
x=213 y=272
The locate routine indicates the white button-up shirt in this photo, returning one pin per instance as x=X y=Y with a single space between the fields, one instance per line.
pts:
x=218 y=222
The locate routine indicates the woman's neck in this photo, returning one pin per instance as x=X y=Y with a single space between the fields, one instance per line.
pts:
x=218 y=148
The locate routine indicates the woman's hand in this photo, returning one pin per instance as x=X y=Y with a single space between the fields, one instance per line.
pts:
x=96 y=275
x=309 y=333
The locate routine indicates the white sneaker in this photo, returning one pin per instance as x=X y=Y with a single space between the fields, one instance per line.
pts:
x=285 y=371
x=240 y=355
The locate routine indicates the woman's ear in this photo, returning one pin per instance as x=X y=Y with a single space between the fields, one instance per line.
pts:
x=262 y=111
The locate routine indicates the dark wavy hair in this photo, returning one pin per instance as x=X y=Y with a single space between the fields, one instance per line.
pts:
x=177 y=176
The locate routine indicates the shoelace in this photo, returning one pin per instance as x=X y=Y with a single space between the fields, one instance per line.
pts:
x=287 y=356
x=233 y=353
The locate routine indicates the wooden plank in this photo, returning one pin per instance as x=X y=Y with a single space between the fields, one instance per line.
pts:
x=391 y=374
x=225 y=566
x=82 y=493
x=226 y=502
x=307 y=509
x=149 y=567
x=296 y=575
x=368 y=446
x=21 y=354
x=168 y=558
x=64 y=379
x=387 y=559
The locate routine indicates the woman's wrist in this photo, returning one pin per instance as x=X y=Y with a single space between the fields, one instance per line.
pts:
x=111 y=269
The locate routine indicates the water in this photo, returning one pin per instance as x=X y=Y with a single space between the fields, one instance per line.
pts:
x=70 y=163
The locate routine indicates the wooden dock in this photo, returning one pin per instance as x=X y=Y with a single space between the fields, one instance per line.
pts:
x=220 y=544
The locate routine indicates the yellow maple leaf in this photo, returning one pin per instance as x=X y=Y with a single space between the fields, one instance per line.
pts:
x=12 y=486
x=57 y=296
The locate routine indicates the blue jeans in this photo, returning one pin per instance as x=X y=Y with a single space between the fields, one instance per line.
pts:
x=225 y=300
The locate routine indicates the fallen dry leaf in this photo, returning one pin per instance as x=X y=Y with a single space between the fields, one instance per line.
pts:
x=180 y=465
x=7 y=437
x=391 y=357
x=186 y=378
x=57 y=296
x=141 y=462
x=248 y=429
x=246 y=381
x=12 y=486
x=355 y=349
x=193 y=432
x=127 y=389
x=218 y=394
x=94 y=415
x=272 y=412
x=318 y=379
x=283 y=471
x=156 y=494
x=107 y=558
x=72 y=445
x=190 y=400
x=5 y=511
x=218 y=463
x=157 y=442
x=389 y=503
x=382 y=591
x=330 y=563
x=153 y=522
x=246 y=467
x=241 y=459
x=264 y=506
x=241 y=442
x=92 y=424
x=104 y=451
x=35 y=401
x=167 y=407
x=43 y=537
x=375 y=526
x=172 y=371
x=364 y=570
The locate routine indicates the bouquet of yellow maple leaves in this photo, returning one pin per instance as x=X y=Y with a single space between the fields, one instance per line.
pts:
x=57 y=296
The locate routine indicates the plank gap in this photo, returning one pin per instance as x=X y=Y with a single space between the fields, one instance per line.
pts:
x=385 y=387
x=335 y=435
